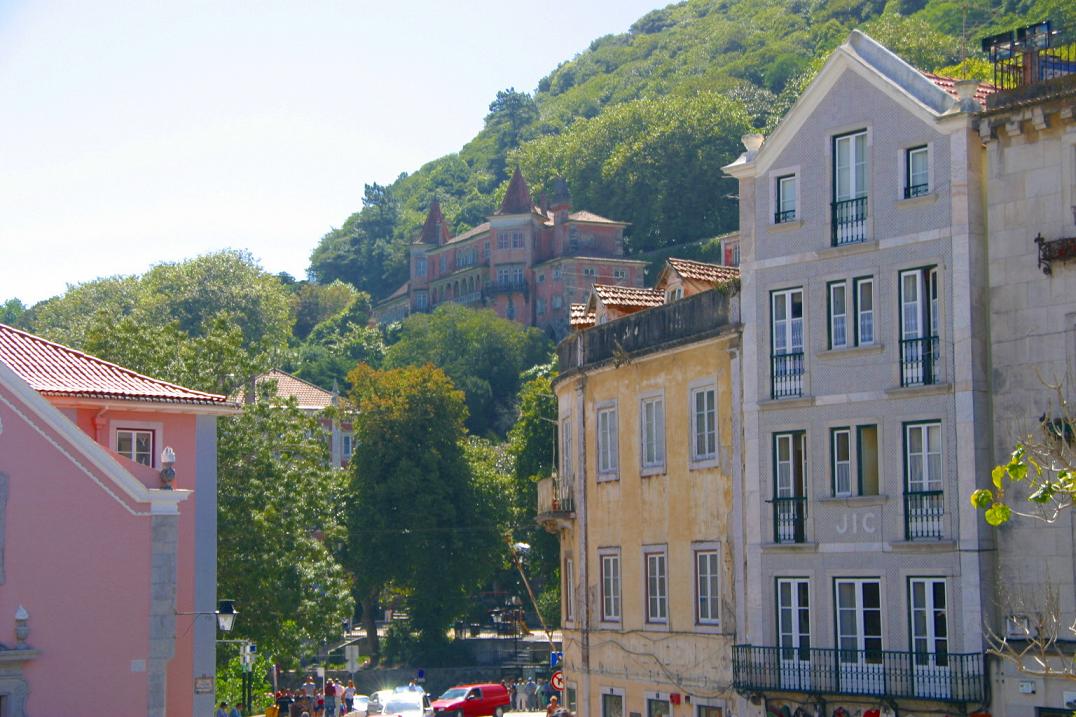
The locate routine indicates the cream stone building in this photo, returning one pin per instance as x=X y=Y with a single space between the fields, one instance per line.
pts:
x=645 y=502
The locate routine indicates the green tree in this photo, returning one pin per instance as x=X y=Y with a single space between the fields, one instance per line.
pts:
x=11 y=311
x=279 y=525
x=414 y=508
x=482 y=353
x=314 y=303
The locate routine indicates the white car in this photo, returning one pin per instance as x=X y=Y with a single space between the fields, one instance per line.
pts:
x=359 y=706
x=389 y=703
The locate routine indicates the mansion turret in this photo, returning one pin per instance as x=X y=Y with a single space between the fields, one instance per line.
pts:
x=527 y=262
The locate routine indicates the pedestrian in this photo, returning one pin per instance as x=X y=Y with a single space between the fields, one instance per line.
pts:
x=349 y=695
x=553 y=706
x=532 y=693
x=309 y=688
x=330 y=698
x=235 y=711
x=222 y=711
x=512 y=699
x=521 y=695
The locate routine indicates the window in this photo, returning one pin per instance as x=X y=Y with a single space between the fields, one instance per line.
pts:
x=558 y=301
x=136 y=444
x=867 y=459
x=346 y=446
x=785 y=210
x=657 y=588
x=573 y=239
x=930 y=630
x=442 y=263
x=922 y=457
x=541 y=278
x=919 y=326
x=794 y=628
x=504 y=275
x=588 y=271
x=786 y=327
x=674 y=294
x=517 y=240
x=620 y=274
x=421 y=299
x=556 y=274
x=569 y=590
x=862 y=452
x=708 y=711
x=703 y=424
x=707 y=593
x=539 y=306
x=420 y=266
x=864 y=300
x=612 y=705
x=916 y=173
x=790 y=486
x=610 y=567
x=841 y=445
x=517 y=275
x=730 y=252
x=657 y=707
x=566 y=448
x=849 y=188
x=838 y=315
x=608 y=459
x=502 y=240
x=570 y=696
x=652 y=429
x=859 y=622
x=485 y=250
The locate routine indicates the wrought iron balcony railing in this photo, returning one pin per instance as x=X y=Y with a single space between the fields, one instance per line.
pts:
x=555 y=496
x=788 y=215
x=849 y=221
x=1029 y=56
x=786 y=375
x=789 y=518
x=943 y=677
x=919 y=361
x=916 y=190
x=508 y=286
x=923 y=511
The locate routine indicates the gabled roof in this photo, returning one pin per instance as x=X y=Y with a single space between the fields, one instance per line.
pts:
x=470 y=233
x=517 y=199
x=52 y=369
x=592 y=218
x=626 y=296
x=306 y=394
x=701 y=271
x=580 y=318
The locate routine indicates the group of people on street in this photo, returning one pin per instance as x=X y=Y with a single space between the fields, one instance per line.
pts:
x=529 y=696
x=333 y=700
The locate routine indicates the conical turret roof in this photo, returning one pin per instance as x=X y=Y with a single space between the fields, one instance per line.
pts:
x=435 y=230
x=517 y=200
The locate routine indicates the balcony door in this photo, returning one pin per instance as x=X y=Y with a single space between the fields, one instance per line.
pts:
x=794 y=633
x=919 y=326
x=930 y=638
x=787 y=367
x=790 y=494
x=859 y=636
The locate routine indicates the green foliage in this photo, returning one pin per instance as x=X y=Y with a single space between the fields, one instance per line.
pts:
x=482 y=354
x=1042 y=482
x=415 y=512
x=230 y=681
x=549 y=602
x=315 y=303
x=11 y=311
x=279 y=525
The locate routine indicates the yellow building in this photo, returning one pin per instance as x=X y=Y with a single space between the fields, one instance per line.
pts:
x=644 y=502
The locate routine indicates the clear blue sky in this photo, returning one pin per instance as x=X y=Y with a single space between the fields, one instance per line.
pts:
x=138 y=132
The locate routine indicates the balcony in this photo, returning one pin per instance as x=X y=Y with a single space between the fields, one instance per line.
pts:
x=789 y=215
x=923 y=511
x=556 y=504
x=849 y=221
x=789 y=518
x=890 y=674
x=916 y=190
x=695 y=317
x=786 y=375
x=1027 y=60
x=510 y=286
x=919 y=361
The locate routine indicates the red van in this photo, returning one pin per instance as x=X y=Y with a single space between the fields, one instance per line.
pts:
x=472 y=701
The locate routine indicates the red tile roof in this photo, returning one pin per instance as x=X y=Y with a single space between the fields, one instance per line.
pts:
x=306 y=394
x=517 y=199
x=628 y=296
x=435 y=229
x=592 y=218
x=948 y=84
x=580 y=318
x=470 y=233
x=700 y=271
x=52 y=369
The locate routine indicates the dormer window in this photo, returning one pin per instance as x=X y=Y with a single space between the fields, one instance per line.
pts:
x=786 y=199
x=136 y=444
x=674 y=294
x=916 y=172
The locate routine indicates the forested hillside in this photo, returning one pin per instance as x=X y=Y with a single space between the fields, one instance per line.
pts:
x=640 y=123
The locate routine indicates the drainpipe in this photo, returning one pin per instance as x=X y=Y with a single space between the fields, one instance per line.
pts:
x=584 y=543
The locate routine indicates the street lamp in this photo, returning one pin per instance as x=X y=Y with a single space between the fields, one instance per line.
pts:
x=226 y=613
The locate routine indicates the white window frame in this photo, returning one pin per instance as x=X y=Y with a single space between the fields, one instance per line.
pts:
x=656 y=584
x=786 y=328
x=858 y=166
x=711 y=597
x=503 y=240
x=611 y=585
x=859 y=609
x=612 y=692
x=566 y=471
x=557 y=273
x=708 y=457
x=154 y=427
x=589 y=272
x=837 y=291
x=421 y=267
x=787 y=189
x=865 y=317
x=620 y=274
x=909 y=180
x=607 y=420
x=931 y=474
x=347 y=445
x=674 y=293
x=652 y=433
x=569 y=590
x=925 y=644
x=791 y=639
x=836 y=462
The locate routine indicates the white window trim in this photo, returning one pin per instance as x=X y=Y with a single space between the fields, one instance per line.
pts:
x=569 y=596
x=771 y=178
x=657 y=467
x=902 y=164
x=612 y=472
x=702 y=702
x=706 y=624
x=117 y=424
x=649 y=551
x=857 y=281
x=831 y=316
x=566 y=447
x=851 y=432
x=603 y=618
x=694 y=387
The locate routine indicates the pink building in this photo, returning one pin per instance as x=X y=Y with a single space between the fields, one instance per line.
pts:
x=107 y=569
x=528 y=262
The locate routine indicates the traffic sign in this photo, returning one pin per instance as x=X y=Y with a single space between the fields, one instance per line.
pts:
x=555 y=658
x=557 y=680
x=351 y=655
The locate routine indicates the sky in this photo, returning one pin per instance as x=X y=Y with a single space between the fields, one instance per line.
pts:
x=135 y=133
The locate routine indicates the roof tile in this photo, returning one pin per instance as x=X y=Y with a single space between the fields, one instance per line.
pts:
x=701 y=271
x=628 y=296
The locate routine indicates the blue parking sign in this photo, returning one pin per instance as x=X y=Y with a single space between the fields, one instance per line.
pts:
x=555 y=658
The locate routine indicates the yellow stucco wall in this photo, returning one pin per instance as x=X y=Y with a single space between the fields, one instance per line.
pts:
x=678 y=508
